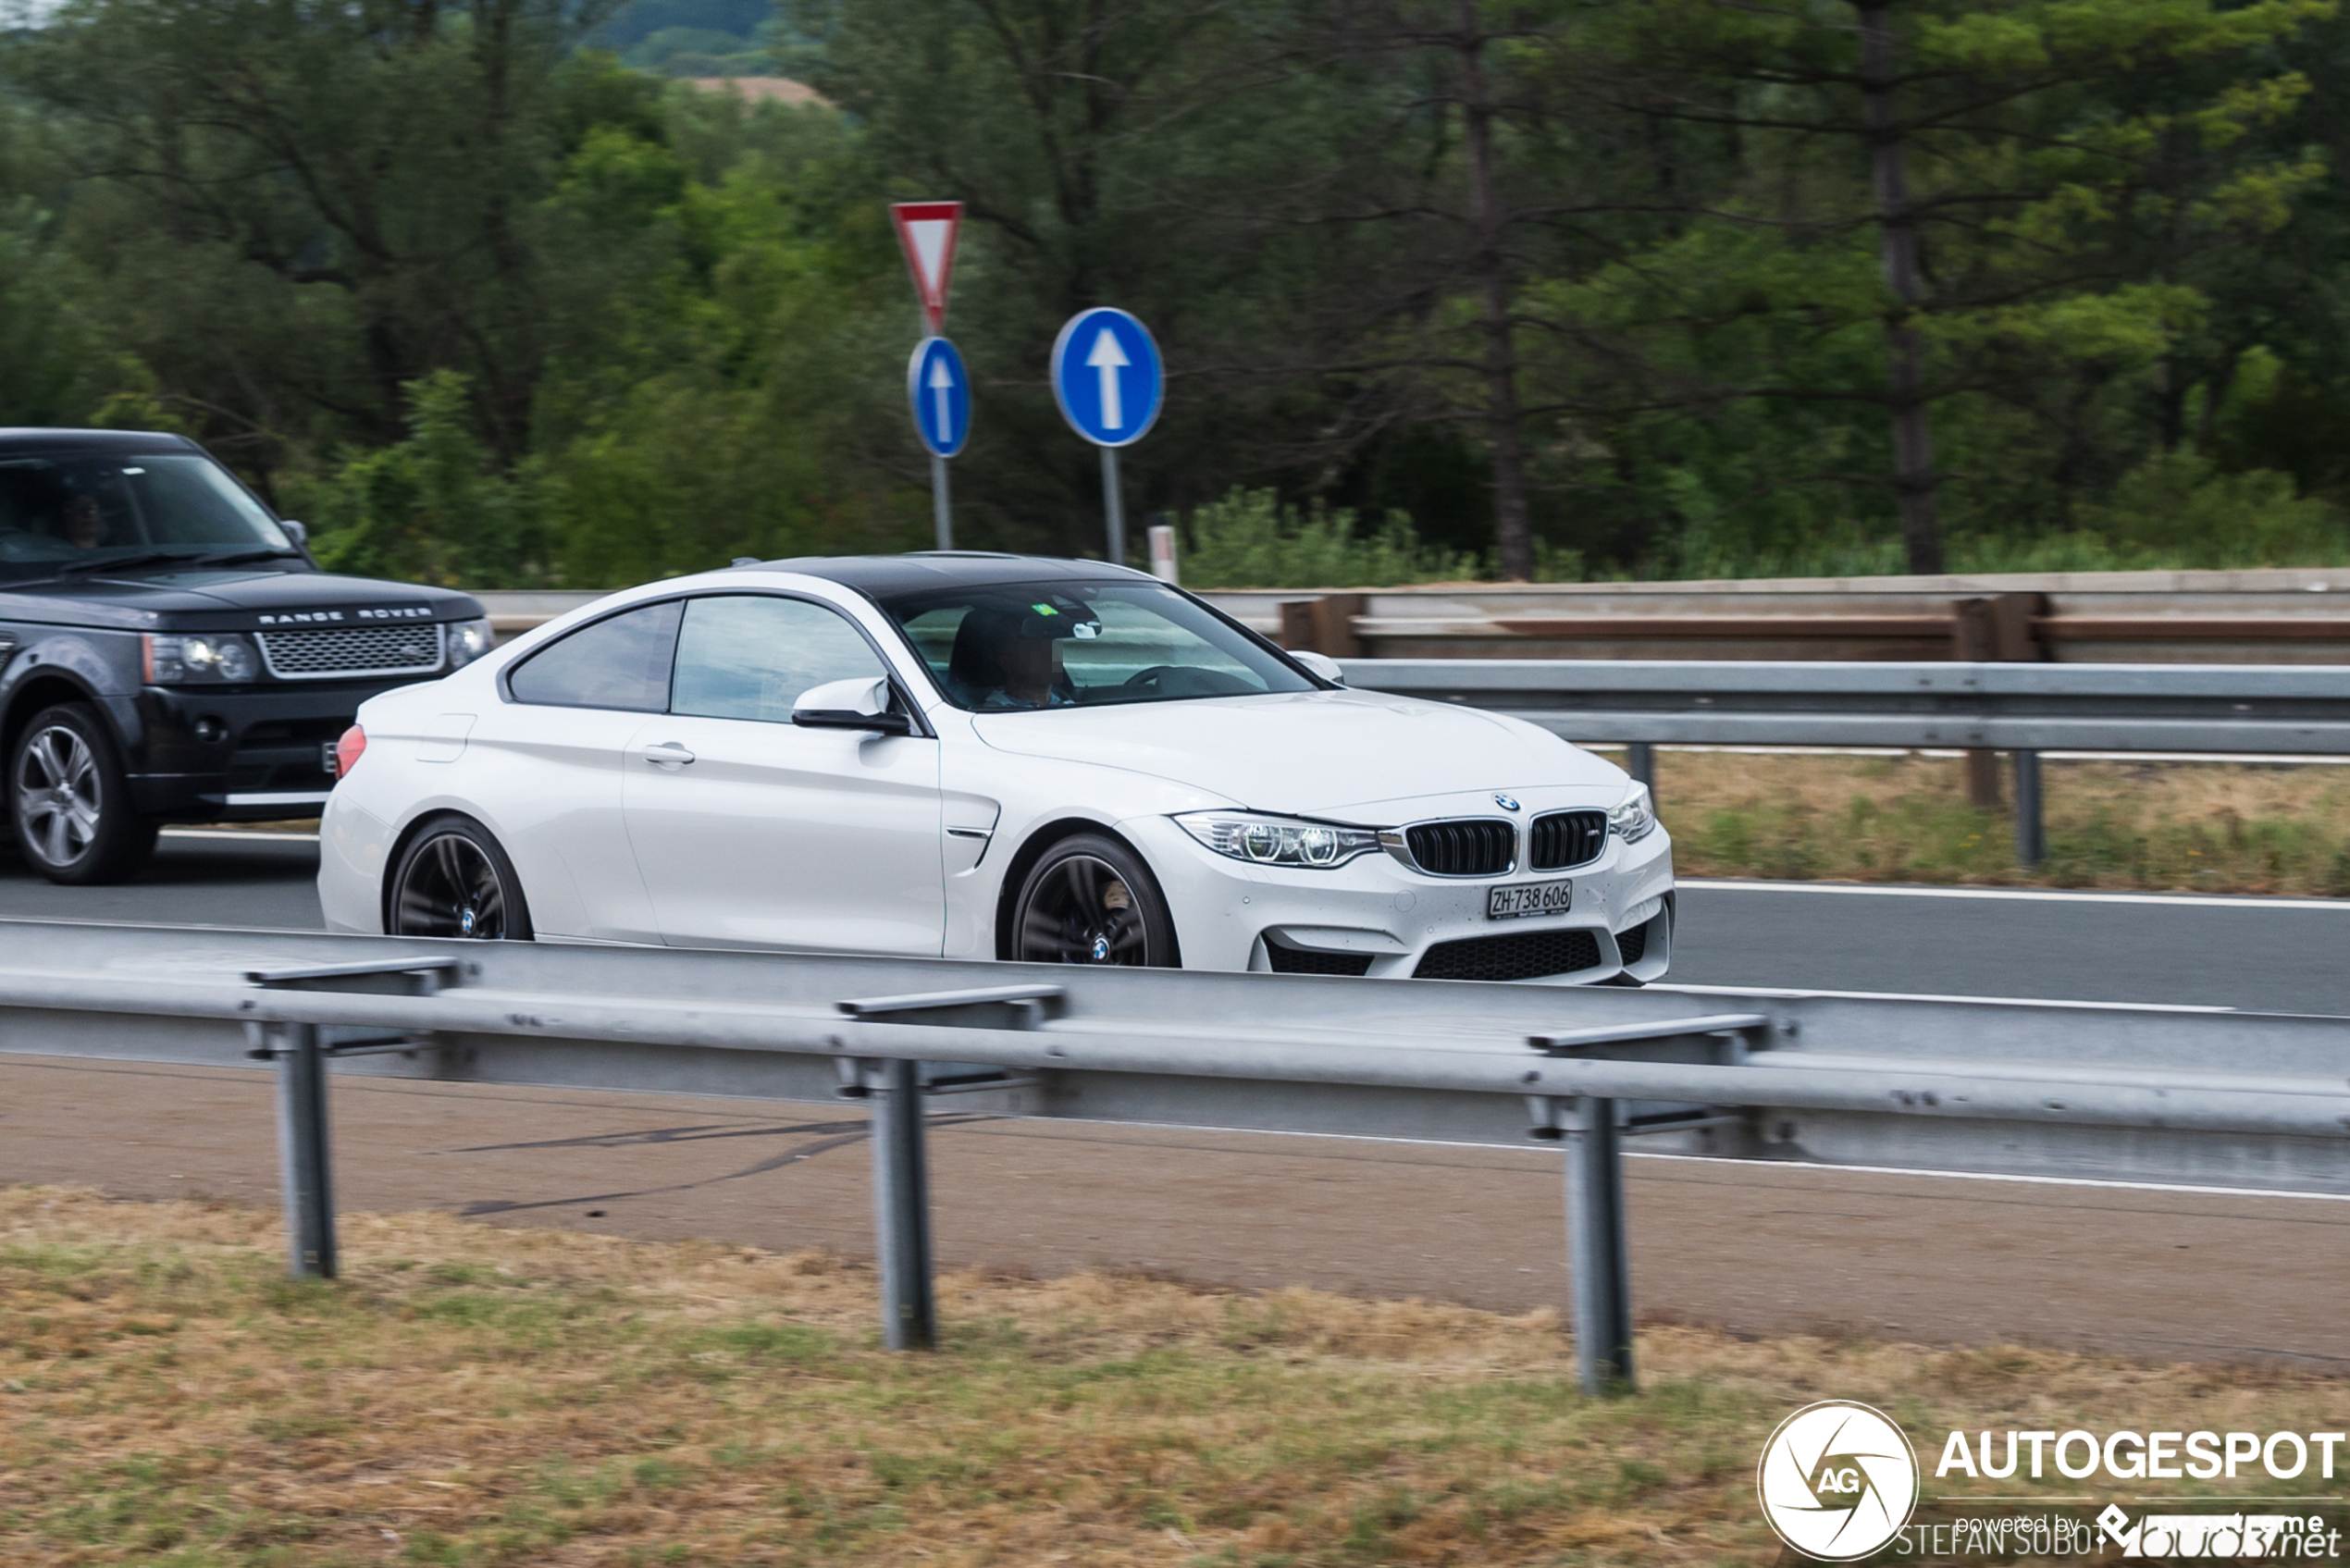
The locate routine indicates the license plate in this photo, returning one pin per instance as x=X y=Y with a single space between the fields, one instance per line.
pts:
x=329 y=760
x=1522 y=898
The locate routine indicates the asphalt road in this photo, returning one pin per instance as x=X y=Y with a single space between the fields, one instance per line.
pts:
x=2283 y=955
x=1756 y=1249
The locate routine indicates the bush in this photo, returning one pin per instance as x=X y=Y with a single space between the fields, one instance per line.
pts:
x=1250 y=540
x=431 y=509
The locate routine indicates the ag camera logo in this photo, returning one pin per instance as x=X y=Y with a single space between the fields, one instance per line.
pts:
x=1838 y=1480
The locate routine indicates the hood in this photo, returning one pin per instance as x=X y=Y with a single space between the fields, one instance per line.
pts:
x=231 y=600
x=1313 y=753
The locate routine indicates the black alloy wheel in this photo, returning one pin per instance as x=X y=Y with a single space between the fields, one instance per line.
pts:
x=1090 y=900
x=70 y=802
x=453 y=880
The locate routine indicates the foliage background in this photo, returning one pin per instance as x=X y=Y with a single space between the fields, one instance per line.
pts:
x=482 y=291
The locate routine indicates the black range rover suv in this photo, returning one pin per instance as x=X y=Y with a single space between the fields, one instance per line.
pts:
x=170 y=653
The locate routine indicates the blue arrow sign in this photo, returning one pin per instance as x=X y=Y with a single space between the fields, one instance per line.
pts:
x=940 y=392
x=1107 y=377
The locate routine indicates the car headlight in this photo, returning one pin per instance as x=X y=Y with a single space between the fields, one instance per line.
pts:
x=205 y=656
x=1279 y=841
x=468 y=640
x=1635 y=818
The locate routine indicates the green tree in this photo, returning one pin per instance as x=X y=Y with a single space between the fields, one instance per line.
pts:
x=2004 y=194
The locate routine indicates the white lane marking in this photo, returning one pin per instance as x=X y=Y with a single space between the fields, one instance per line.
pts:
x=1992 y=1175
x=1940 y=754
x=2041 y=895
x=1811 y=1166
x=231 y=834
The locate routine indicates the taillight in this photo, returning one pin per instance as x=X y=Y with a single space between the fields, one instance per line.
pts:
x=349 y=749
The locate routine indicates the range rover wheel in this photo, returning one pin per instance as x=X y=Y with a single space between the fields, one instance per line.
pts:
x=453 y=880
x=1090 y=900
x=70 y=802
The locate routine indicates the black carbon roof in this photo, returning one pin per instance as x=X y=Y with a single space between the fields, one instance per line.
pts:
x=947 y=568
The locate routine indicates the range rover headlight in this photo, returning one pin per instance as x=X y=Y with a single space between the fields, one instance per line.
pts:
x=1635 y=818
x=468 y=640
x=1279 y=841
x=203 y=658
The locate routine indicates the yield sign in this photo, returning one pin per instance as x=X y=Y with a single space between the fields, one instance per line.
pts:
x=927 y=233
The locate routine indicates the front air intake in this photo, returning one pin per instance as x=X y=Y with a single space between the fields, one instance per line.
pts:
x=1469 y=848
x=1527 y=955
x=1300 y=960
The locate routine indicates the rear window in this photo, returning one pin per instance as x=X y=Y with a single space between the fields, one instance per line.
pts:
x=621 y=662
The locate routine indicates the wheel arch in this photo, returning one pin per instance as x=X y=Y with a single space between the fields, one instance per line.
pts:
x=47 y=689
x=418 y=827
x=1038 y=844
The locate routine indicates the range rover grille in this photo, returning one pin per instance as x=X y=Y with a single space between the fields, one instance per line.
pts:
x=413 y=648
x=1568 y=838
x=1469 y=848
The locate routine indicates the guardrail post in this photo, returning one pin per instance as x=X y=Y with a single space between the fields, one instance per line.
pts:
x=304 y=1158
x=1596 y=1250
x=2030 y=825
x=1641 y=763
x=901 y=1208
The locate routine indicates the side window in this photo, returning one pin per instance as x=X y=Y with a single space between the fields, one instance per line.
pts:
x=621 y=662
x=751 y=657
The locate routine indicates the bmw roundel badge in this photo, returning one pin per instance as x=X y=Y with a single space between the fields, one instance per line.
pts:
x=1505 y=803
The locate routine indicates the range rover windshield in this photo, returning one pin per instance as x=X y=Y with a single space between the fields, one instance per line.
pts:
x=1013 y=646
x=102 y=510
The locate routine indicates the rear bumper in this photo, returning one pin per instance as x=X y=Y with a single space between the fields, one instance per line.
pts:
x=247 y=755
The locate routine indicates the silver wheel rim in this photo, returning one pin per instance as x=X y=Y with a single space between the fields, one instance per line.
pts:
x=58 y=797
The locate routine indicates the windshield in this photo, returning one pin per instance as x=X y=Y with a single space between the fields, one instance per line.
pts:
x=1014 y=646
x=65 y=511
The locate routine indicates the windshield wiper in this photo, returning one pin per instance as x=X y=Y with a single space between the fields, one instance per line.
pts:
x=244 y=557
x=123 y=563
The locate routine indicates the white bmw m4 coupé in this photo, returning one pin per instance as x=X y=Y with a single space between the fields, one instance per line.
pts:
x=981 y=756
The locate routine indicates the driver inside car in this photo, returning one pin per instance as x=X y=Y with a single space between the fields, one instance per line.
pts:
x=1009 y=656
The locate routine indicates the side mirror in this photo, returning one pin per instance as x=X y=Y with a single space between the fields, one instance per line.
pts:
x=860 y=704
x=1321 y=664
x=298 y=531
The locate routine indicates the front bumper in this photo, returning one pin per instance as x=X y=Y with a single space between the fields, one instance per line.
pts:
x=267 y=757
x=1378 y=918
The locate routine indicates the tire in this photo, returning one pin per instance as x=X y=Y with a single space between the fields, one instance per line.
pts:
x=453 y=880
x=1092 y=900
x=69 y=801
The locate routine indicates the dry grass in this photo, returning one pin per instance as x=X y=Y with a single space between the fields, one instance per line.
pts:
x=2199 y=827
x=469 y=1395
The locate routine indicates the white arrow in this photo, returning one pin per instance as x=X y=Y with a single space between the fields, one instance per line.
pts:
x=1106 y=360
x=941 y=385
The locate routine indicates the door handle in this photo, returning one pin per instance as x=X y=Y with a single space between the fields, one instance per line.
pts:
x=666 y=754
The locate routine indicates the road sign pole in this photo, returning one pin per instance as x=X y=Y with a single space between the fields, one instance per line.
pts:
x=938 y=508
x=1114 y=506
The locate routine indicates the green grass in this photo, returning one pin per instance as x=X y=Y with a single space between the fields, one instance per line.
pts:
x=166 y=1399
x=2199 y=827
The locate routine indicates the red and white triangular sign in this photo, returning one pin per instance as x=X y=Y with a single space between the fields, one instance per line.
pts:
x=927 y=233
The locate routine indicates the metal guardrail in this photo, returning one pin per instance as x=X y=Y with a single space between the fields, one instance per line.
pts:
x=2287 y=616
x=2278 y=710
x=2176 y=1095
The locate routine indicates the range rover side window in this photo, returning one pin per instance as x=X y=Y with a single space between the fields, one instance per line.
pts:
x=749 y=657
x=621 y=662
